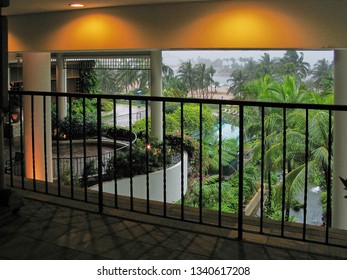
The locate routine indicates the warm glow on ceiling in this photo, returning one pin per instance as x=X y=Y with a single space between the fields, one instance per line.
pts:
x=76 y=5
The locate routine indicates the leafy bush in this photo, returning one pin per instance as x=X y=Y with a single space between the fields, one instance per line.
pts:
x=142 y=153
x=191 y=119
x=170 y=108
x=76 y=130
x=106 y=105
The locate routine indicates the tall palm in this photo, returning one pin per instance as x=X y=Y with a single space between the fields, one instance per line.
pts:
x=266 y=65
x=287 y=91
x=322 y=74
x=168 y=73
x=211 y=71
x=186 y=74
x=238 y=80
x=251 y=68
x=143 y=78
x=293 y=64
x=106 y=80
x=201 y=77
x=126 y=78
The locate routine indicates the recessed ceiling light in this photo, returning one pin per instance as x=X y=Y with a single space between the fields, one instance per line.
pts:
x=76 y=5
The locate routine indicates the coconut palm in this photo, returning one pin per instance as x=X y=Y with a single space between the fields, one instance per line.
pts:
x=201 y=78
x=266 y=65
x=168 y=73
x=106 y=80
x=293 y=64
x=322 y=75
x=238 y=80
x=211 y=71
x=186 y=74
x=252 y=69
x=287 y=91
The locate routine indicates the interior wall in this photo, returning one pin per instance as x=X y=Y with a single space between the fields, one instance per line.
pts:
x=239 y=24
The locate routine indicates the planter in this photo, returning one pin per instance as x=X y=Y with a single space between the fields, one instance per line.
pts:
x=156 y=179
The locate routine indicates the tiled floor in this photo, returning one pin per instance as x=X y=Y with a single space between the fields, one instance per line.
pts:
x=44 y=230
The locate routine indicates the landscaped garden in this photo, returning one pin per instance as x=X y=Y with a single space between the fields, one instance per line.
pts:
x=288 y=79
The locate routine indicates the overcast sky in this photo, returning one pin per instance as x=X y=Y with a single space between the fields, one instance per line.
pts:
x=173 y=58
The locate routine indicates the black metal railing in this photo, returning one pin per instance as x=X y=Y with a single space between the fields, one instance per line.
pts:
x=255 y=147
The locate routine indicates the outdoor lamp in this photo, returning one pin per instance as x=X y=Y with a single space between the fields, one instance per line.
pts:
x=14 y=116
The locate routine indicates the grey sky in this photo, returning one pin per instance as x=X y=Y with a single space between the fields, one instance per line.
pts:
x=173 y=58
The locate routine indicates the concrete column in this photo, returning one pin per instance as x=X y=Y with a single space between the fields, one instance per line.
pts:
x=61 y=86
x=339 y=203
x=156 y=89
x=37 y=77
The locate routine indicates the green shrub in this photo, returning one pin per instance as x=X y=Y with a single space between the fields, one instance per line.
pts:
x=142 y=153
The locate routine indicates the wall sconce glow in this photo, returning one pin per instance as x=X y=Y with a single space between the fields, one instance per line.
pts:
x=76 y=5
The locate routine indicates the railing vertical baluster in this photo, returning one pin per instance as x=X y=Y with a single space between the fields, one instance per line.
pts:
x=58 y=144
x=329 y=212
x=147 y=158
x=306 y=173
x=10 y=136
x=33 y=140
x=71 y=151
x=164 y=157
x=220 y=174
x=241 y=170
x=131 y=158
x=284 y=151
x=262 y=167
x=200 y=164
x=85 y=175
x=182 y=161
x=45 y=142
x=100 y=186
x=21 y=139
x=115 y=152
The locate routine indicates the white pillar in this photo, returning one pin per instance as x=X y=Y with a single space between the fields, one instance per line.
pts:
x=339 y=203
x=156 y=89
x=37 y=77
x=61 y=86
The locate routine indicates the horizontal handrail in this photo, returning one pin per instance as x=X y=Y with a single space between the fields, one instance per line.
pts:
x=245 y=103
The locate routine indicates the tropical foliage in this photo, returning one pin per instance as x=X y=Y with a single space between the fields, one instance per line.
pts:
x=288 y=79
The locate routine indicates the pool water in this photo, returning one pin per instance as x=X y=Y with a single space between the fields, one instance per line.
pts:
x=228 y=131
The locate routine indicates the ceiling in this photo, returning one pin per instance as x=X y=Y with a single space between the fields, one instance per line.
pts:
x=18 y=7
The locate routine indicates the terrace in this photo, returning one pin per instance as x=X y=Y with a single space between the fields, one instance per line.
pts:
x=243 y=230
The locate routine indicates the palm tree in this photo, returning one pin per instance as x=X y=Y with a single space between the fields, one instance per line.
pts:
x=168 y=73
x=256 y=88
x=211 y=71
x=201 y=77
x=295 y=165
x=126 y=78
x=287 y=91
x=238 y=80
x=266 y=65
x=251 y=68
x=186 y=74
x=106 y=80
x=294 y=65
x=322 y=74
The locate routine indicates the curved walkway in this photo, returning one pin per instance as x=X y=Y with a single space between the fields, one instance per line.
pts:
x=122 y=113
